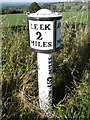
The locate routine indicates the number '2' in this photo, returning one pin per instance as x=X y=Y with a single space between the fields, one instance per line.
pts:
x=39 y=35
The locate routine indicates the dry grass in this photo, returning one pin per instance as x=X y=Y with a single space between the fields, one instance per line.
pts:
x=70 y=82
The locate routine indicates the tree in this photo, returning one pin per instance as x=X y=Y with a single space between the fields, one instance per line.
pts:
x=53 y=8
x=34 y=7
x=46 y=6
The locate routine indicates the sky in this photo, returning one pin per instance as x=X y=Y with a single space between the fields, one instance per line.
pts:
x=39 y=0
x=32 y=0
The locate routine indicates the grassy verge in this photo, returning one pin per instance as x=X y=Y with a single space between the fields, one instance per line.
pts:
x=71 y=85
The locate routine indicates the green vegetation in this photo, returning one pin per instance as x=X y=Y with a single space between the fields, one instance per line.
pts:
x=79 y=17
x=21 y=19
x=33 y=7
x=71 y=79
x=16 y=19
x=71 y=76
x=68 y=10
x=69 y=6
x=17 y=8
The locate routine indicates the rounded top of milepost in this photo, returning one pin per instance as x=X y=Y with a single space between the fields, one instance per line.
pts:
x=44 y=14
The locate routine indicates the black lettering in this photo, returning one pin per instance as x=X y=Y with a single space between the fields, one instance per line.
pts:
x=50 y=66
x=47 y=27
x=49 y=81
x=41 y=27
x=49 y=85
x=39 y=35
x=49 y=44
x=39 y=45
x=50 y=60
x=31 y=26
x=50 y=69
x=35 y=43
x=32 y=42
x=35 y=26
x=44 y=44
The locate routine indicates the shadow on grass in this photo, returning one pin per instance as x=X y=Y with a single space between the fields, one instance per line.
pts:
x=17 y=28
x=65 y=79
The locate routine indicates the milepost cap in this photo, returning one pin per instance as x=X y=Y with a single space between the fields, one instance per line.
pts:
x=45 y=13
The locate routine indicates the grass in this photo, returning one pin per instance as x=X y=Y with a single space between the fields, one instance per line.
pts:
x=76 y=16
x=71 y=81
x=21 y=19
x=13 y=19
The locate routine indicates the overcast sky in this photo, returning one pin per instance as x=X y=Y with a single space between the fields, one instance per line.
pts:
x=32 y=0
x=40 y=0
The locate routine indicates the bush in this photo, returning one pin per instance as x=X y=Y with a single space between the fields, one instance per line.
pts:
x=34 y=7
x=11 y=11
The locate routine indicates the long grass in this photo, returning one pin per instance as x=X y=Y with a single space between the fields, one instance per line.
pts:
x=71 y=79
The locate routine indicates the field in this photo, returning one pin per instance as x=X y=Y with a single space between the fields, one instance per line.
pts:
x=21 y=19
x=78 y=17
x=16 y=19
x=71 y=79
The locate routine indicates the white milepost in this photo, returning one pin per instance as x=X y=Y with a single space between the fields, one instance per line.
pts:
x=44 y=38
x=45 y=75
